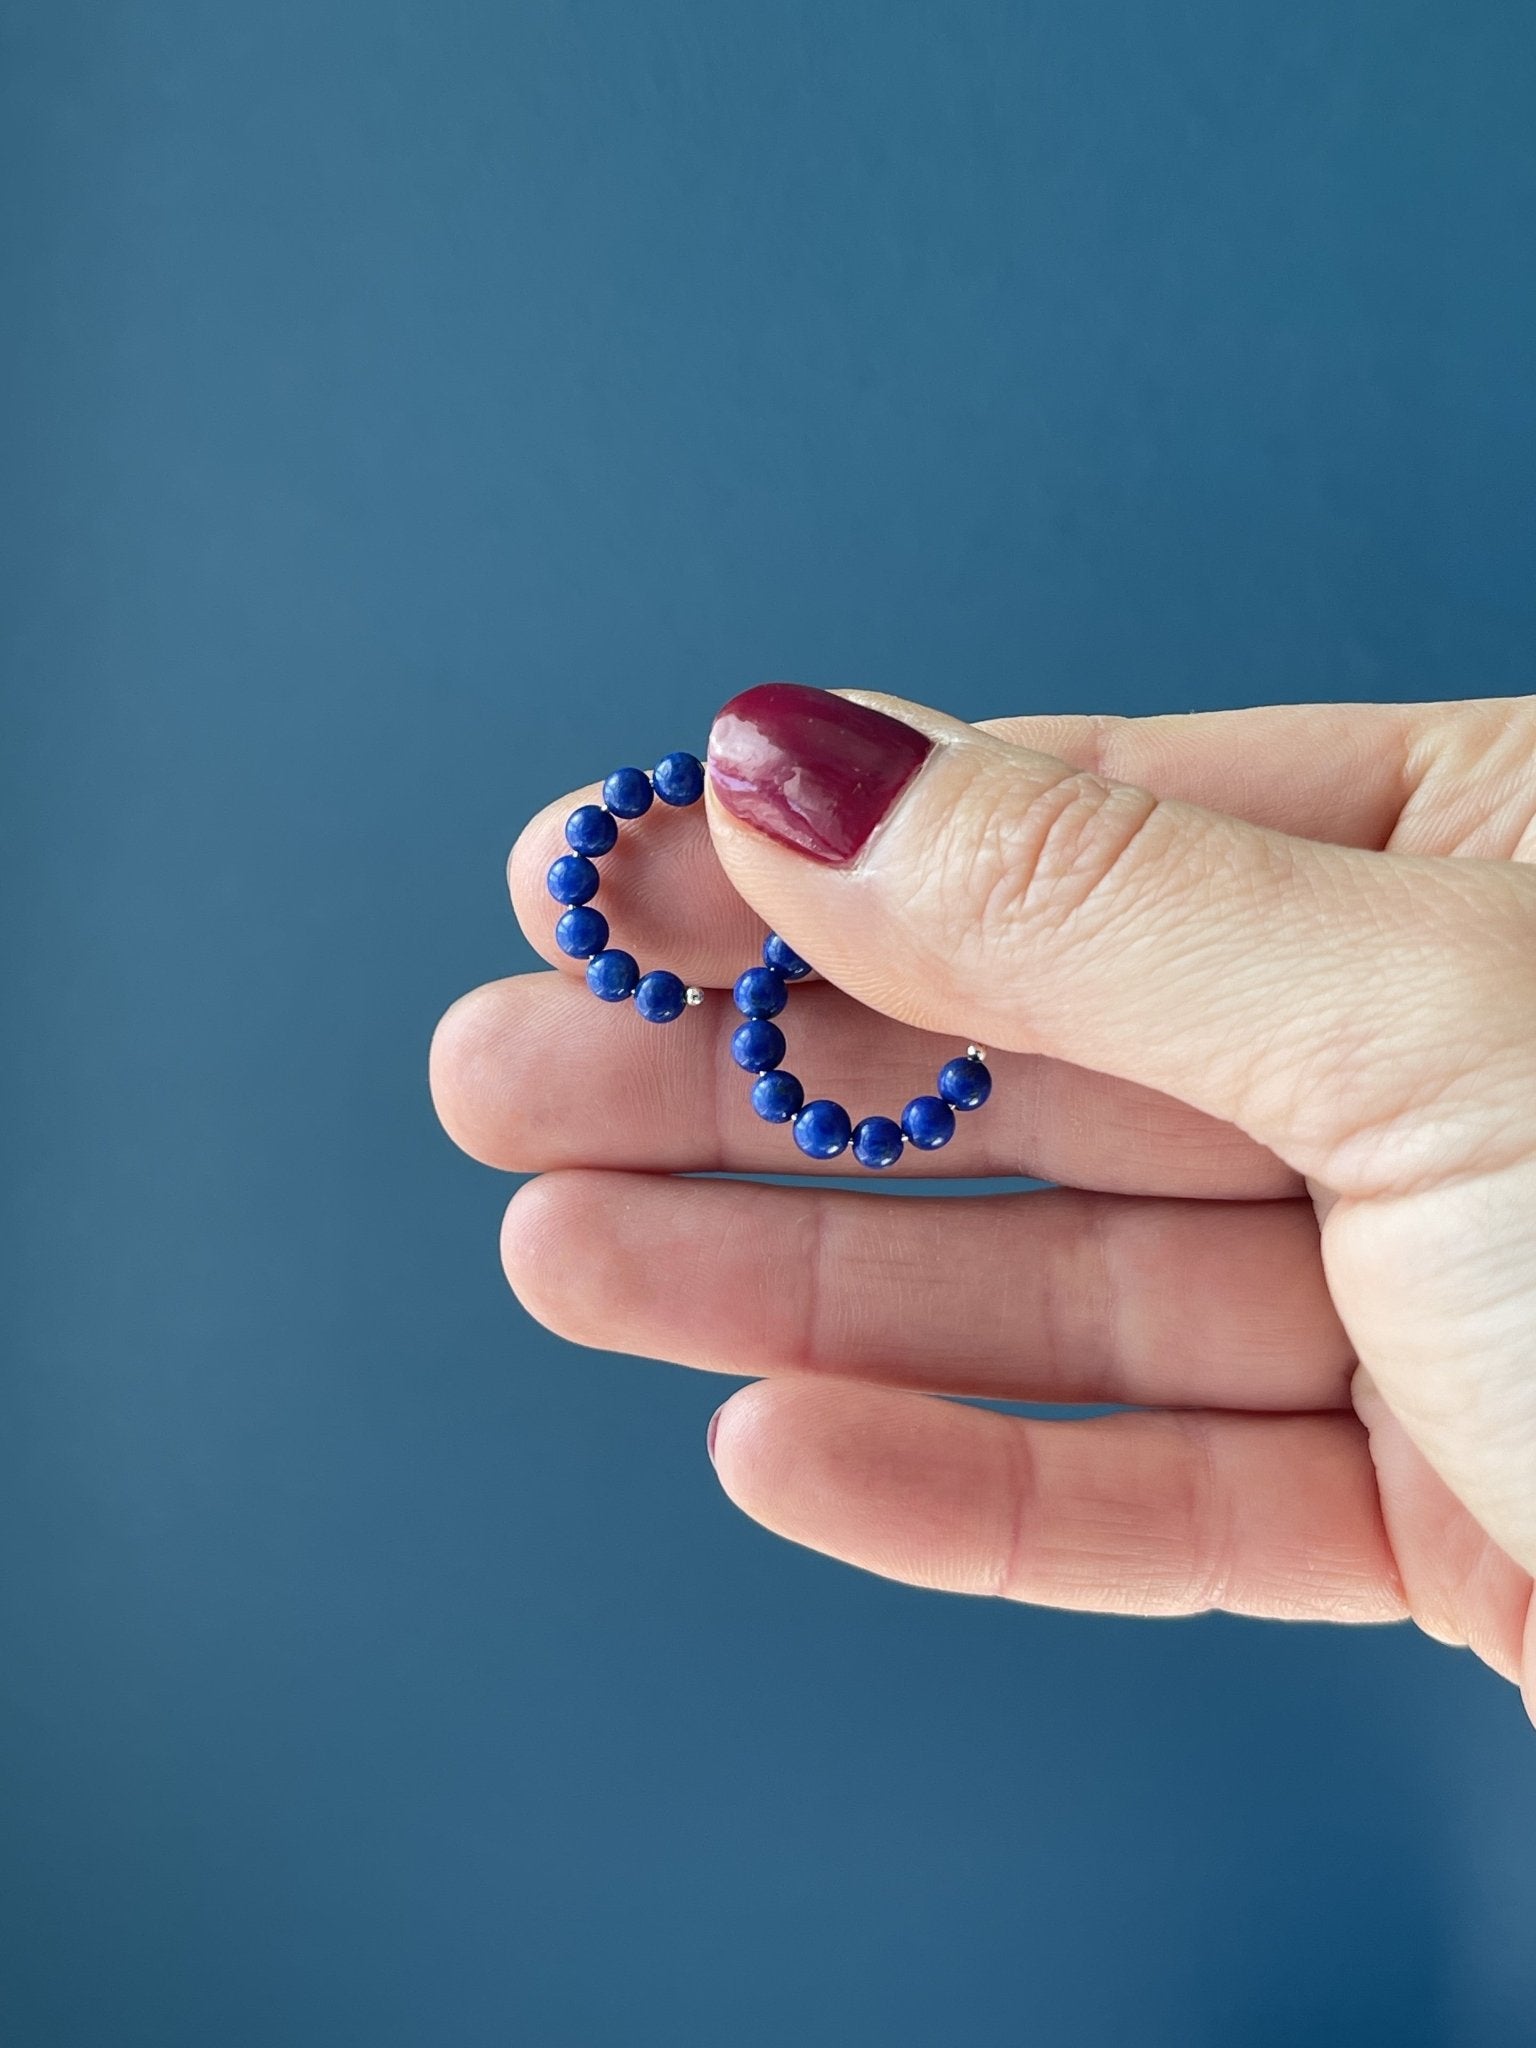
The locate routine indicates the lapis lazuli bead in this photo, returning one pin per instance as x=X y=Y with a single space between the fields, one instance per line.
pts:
x=627 y=792
x=929 y=1122
x=581 y=932
x=784 y=959
x=660 y=996
x=822 y=1129
x=877 y=1141
x=591 y=830
x=678 y=778
x=573 y=879
x=760 y=992
x=613 y=975
x=965 y=1083
x=777 y=1097
x=757 y=1045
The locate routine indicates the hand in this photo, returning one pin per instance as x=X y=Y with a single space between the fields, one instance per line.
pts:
x=1259 y=989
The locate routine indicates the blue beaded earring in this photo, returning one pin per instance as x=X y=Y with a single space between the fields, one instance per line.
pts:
x=822 y=1129
x=582 y=932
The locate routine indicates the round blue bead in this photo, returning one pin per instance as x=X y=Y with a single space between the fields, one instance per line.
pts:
x=757 y=1045
x=965 y=1083
x=760 y=992
x=660 y=996
x=928 y=1122
x=590 y=830
x=613 y=976
x=777 y=1097
x=877 y=1141
x=573 y=879
x=822 y=1129
x=582 y=932
x=678 y=778
x=784 y=959
x=627 y=792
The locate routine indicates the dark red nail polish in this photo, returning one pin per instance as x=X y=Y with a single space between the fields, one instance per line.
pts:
x=711 y=1433
x=811 y=770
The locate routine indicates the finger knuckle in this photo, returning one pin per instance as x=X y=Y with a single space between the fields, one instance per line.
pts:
x=1066 y=856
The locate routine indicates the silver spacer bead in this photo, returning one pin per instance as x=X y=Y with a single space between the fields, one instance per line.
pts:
x=975 y=1052
x=693 y=997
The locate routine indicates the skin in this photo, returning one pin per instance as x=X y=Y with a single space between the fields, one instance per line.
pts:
x=1259 y=989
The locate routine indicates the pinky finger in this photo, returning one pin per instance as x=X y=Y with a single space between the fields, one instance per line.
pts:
x=1146 y=1513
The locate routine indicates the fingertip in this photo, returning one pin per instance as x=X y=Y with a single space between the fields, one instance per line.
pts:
x=741 y=1440
x=894 y=1482
x=460 y=1071
x=530 y=1220
x=795 y=1436
x=578 y=1250
x=479 y=1073
x=536 y=1235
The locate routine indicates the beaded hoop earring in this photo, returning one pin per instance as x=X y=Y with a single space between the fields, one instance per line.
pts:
x=822 y=1129
x=582 y=932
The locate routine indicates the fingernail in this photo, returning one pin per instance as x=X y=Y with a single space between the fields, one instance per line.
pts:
x=712 y=1432
x=809 y=769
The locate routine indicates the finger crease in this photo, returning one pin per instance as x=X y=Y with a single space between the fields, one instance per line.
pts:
x=813 y=1346
x=1021 y=1481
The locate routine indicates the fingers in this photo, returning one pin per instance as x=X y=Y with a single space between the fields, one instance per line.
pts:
x=1054 y=1296
x=531 y=1073
x=1306 y=992
x=1129 y=1514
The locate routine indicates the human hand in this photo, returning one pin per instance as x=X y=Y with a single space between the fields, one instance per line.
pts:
x=1259 y=989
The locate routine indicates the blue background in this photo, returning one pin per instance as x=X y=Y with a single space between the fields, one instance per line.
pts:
x=407 y=412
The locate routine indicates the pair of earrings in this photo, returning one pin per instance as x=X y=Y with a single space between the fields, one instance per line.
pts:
x=821 y=1128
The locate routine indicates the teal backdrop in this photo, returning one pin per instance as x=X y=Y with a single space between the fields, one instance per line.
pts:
x=409 y=411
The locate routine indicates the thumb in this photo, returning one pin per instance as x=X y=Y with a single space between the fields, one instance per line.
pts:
x=1328 y=1000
